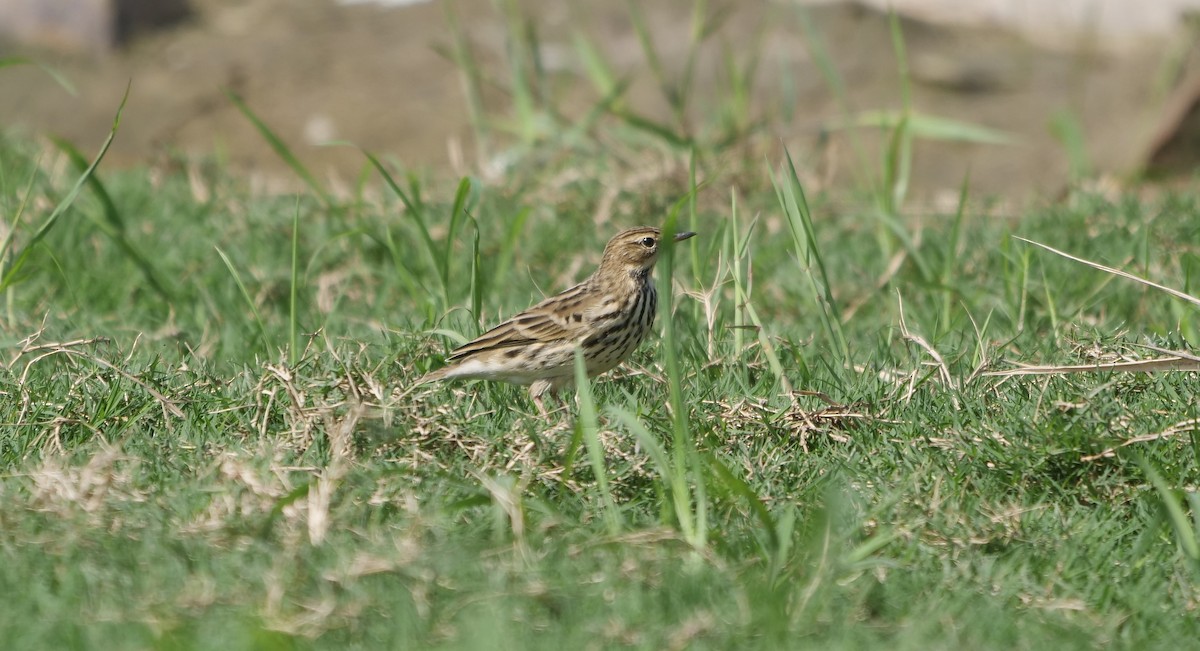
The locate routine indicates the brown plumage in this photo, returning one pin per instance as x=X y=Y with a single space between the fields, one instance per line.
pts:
x=608 y=314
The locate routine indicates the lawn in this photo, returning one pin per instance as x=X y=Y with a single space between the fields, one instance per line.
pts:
x=211 y=436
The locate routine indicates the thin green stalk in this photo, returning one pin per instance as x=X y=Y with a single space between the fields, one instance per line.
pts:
x=5 y=253
x=521 y=50
x=951 y=261
x=463 y=200
x=741 y=290
x=589 y=423
x=898 y=169
x=472 y=81
x=1050 y=305
x=686 y=460
x=508 y=247
x=477 y=278
x=693 y=217
x=293 y=330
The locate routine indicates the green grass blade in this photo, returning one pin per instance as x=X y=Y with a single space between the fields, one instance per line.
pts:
x=477 y=279
x=1185 y=533
x=1193 y=501
x=901 y=53
x=676 y=484
x=298 y=493
x=10 y=274
x=458 y=214
x=58 y=77
x=237 y=279
x=654 y=128
x=737 y=257
x=598 y=70
x=925 y=127
x=114 y=225
x=646 y=40
x=590 y=425
x=508 y=248
x=10 y=299
x=950 y=263
x=112 y=216
x=521 y=82
x=694 y=219
x=472 y=78
x=281 y=149
x=738 y=487
x=658 y=454
x=293 y=299
x=415 y=210
x=868 y=548
x=790 y=194
x=686 y=460
x=897 y=169
x=768 y=348
x=1067 y=130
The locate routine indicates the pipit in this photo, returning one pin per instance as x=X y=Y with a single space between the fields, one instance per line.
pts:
x=607 y=316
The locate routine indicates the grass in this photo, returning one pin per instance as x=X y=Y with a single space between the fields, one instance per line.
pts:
x=811 y=455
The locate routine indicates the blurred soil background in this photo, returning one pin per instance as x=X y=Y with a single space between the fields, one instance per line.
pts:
x=1081 y=90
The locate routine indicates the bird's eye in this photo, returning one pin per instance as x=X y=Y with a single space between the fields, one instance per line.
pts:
x=648 y=242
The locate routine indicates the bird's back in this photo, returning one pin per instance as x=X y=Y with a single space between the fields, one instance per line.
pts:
x=607 y=316
x=540 y=342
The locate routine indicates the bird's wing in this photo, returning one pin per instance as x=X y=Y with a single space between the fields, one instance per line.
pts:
x=558 y=318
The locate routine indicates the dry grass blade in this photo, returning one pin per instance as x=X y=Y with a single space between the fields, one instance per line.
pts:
x=938 y=361
x=341 y=448
x=60 y=487
x=1176 y=360
x=1177 y=363
x=1174 y=353
x=167 y=405
x=831 y=420
x=1117 y=272
x=69 y=348
x=1182 y=427
x=29 y=346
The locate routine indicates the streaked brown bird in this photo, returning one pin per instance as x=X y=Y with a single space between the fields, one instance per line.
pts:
x=607 y=315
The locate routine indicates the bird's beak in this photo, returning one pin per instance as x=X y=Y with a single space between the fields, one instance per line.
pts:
x=679 y=237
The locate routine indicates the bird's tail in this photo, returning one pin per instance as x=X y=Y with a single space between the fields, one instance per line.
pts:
x=434 y=375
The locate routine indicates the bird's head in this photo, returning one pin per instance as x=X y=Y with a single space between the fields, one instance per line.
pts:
x=635 y=250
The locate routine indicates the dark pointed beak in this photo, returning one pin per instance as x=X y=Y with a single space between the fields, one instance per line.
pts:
x=679 y=237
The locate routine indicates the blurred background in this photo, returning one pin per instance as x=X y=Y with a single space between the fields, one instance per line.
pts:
x=1026 y=97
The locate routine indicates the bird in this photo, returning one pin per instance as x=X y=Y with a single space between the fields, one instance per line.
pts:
x=607 y=315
